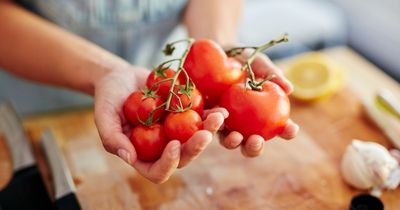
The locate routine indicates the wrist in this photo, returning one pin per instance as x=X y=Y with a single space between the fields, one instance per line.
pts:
x=99 y=67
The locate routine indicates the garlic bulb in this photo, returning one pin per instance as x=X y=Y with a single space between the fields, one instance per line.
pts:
x=367 y=165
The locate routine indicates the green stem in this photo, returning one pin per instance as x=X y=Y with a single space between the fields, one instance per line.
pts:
x=179 y=102
x=159 y=82
x=254 y=85
x=263 y=47
x=180 y=40
x=169 y=61
x=181 y=60
x=180 y=68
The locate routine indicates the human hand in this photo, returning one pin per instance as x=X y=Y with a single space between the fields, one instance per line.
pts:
x=253 y=146
x=110 y=93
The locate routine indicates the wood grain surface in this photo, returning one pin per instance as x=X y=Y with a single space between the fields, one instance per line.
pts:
x=291 y=175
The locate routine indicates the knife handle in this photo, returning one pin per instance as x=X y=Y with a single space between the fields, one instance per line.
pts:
x=63 y=183
x=17 y=142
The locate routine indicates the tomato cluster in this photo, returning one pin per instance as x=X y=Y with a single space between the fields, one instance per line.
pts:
x=254 y=107
x=167 y=109
x=172 y=102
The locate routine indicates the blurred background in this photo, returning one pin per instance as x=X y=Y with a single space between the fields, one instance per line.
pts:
x=370 y=27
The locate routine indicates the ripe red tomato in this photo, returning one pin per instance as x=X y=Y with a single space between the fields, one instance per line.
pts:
x=149 y=142
x=195 y=98
x=251 y=112
x=161 y=74
x=211 y=70
x=182 y=125
x=138 y=107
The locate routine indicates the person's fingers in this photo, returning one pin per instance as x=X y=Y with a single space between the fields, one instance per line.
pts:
x=284 y=83
x=114 y=140
x=221 y=110
x=290 y=130
x=232 y=140
x=263 y=67
x=253 y=146
x=160 y=171
x=194 y=146
x=213 y=122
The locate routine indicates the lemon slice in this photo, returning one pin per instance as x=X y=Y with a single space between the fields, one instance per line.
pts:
x=314 y=76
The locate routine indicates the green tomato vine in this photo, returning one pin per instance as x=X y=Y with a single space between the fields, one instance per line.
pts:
x=186 y=89
x=251 y=80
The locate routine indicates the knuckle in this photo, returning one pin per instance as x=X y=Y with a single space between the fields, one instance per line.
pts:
x=197 y=149
x=107 y=143
x=159 y=179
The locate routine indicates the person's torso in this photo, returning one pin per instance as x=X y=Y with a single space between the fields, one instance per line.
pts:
x=132 y=29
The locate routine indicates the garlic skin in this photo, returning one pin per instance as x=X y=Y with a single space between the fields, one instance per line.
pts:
x=367 y=165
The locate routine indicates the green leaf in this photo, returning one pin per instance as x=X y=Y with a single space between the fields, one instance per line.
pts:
x=169 y=49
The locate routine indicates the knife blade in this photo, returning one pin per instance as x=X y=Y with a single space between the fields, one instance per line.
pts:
x=64 y=188
x=26 y=189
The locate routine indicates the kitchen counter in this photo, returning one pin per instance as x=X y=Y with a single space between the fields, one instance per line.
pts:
x=299 y=174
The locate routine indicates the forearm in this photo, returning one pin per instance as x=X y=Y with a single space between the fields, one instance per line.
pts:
x=35 y=49
x=213 y=19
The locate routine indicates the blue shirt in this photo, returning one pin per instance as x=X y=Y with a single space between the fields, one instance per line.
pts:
x=132 y=29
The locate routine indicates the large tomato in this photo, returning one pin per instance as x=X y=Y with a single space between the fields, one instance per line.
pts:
x=149 y=142
x=263 y=112
x=160 y=74
x=211 y=70
x=138 y=107
x=194 y=98
x=182 y=125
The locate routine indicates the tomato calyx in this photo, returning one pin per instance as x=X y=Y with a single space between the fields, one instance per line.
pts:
x=149 y=121
x=182 y=90
x=257 y=86
x=251 y=80
x=169 y=49
x=160 y=71
x=149 y=93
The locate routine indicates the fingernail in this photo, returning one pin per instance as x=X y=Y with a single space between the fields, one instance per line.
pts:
x=176 y=149
x=255 y=146
x=289 y=87
x=234 y=143
x=124 y=155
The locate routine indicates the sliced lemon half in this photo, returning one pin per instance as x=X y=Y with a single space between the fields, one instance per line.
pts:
x=314 y=76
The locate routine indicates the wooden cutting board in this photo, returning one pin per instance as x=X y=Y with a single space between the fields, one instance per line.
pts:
x=297 y=175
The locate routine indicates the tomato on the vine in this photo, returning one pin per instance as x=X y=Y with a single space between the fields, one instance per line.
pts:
x=211 y=70
x=149 y=142
x=160 y=74
x=192 y=97
x=182 y=125
x=138 y=107
x=263 y=112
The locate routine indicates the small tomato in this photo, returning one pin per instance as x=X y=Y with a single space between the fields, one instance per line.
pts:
x=182 y=125
x=149 y=142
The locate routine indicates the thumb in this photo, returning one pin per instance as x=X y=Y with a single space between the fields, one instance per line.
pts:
x=114 y=140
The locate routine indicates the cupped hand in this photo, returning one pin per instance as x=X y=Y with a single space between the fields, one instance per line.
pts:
x=110 y=93
x=253 y=146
